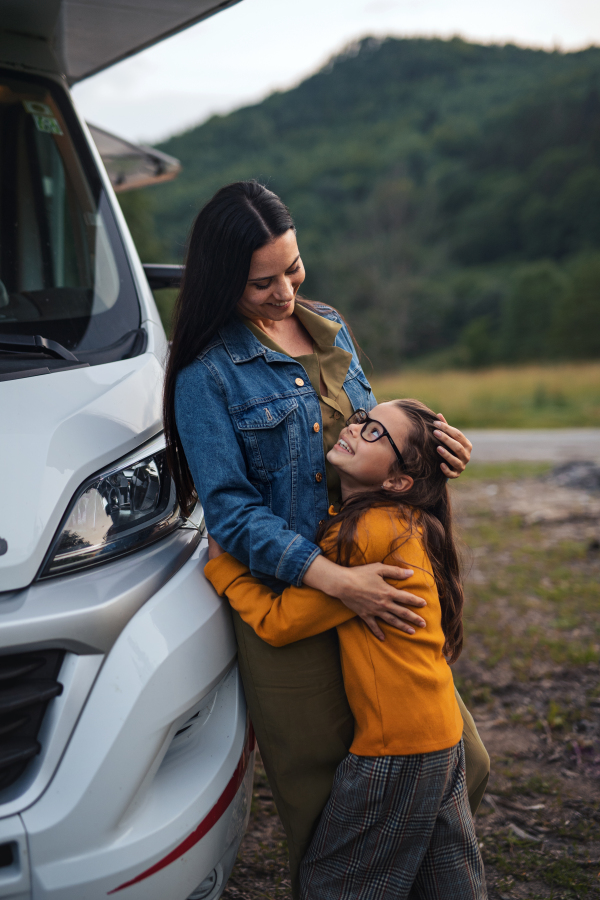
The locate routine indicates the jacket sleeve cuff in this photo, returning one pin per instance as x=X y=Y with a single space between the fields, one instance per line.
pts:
x=222 y=571
x=295 y=560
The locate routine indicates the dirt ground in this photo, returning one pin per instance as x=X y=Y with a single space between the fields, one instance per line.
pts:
x=530 y=673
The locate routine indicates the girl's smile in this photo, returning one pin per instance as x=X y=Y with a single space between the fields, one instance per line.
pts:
x=343 y=446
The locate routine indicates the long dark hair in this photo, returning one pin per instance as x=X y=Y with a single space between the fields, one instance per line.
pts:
x=241 y=218
x=426 y=506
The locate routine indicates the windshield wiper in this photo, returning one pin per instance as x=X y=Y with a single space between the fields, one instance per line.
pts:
x=35 y=343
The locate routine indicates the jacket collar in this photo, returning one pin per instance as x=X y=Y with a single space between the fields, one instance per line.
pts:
x=241 y=344
x=322 y=330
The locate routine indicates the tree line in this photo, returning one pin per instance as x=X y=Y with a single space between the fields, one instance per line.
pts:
x=447 y=196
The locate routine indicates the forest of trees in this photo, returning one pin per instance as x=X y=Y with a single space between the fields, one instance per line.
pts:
x=446 y=194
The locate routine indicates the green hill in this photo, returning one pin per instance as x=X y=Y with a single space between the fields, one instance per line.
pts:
x=447 y=195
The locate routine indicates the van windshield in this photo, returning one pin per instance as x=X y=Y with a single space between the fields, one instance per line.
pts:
x=64 y=274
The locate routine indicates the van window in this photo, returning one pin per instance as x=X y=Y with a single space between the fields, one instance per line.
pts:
x=64 y=273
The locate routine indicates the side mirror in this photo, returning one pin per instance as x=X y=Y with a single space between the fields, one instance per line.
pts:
x=163 y=276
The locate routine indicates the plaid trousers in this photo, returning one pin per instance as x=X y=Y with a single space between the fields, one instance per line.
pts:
x=396 y=827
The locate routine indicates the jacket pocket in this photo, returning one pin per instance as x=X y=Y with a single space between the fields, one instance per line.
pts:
x=268 y=430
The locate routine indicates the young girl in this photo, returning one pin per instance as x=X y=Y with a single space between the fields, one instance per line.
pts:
x=398 y=822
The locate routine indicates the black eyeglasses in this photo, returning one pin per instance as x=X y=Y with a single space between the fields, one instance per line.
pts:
x=372 y=431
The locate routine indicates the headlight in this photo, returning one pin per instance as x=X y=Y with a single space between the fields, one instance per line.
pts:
x=120 y=510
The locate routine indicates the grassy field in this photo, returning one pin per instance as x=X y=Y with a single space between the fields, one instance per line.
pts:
x=561 y=396
x=530 y=673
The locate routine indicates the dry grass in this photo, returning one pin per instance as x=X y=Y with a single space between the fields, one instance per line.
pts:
x=561 y=396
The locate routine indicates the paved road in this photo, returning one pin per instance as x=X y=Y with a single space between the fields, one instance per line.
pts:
x=544 y=444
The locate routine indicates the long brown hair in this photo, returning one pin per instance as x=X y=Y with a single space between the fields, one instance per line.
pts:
x=240 y=218
x=426 y=506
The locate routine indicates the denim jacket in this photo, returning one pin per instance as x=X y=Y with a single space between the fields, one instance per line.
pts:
x=247 y=428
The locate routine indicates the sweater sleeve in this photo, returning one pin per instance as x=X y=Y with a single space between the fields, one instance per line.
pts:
x=277 y=619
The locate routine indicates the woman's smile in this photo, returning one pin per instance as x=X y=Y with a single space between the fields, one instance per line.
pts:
x=281 y=305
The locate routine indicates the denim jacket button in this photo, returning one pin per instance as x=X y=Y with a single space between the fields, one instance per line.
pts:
x=300 y=382
x=319 y=477
x=316 y=427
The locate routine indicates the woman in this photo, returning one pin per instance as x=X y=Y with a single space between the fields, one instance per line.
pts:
x=257 y=387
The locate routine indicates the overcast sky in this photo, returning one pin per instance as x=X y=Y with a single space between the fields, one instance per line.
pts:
x=242 y=54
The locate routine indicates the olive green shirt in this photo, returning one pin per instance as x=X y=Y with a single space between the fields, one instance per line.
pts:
x=330 y=363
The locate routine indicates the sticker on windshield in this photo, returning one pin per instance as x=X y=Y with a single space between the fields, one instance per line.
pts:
x=37 y=108
x=42 y=116
x=47 y=124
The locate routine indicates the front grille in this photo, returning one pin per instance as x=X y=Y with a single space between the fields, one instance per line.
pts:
x=27 y=684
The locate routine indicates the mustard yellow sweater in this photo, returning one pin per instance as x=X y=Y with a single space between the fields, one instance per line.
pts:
x=400 y=690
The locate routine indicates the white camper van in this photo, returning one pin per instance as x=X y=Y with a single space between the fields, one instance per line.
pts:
x=126 y=755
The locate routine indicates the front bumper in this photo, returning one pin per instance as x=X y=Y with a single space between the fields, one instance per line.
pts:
x=152 y=792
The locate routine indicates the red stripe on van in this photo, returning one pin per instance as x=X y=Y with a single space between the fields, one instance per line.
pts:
x=208 y=821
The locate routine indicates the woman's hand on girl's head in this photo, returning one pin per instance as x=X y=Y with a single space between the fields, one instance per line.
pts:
x=457 y=449
x=363 y=589
x=213 y=548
